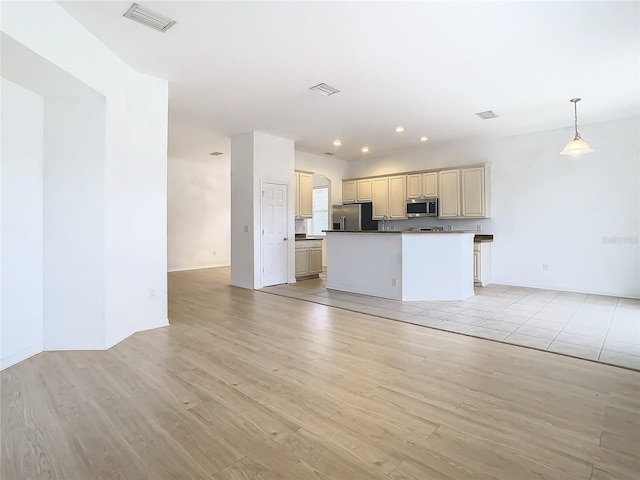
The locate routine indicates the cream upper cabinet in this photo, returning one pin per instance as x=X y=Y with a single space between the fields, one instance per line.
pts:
x=414 y=185
x=304 y=195
x=380 y=197
x=465 y=192
x=449 y=189
x=296 y=197
x=474 y=192
x=349 y=191
x=363 y=190
x=422 y=185
x=397 y=197
x=429 y=184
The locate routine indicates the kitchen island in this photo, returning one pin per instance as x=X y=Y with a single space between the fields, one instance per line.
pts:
x=401 y=265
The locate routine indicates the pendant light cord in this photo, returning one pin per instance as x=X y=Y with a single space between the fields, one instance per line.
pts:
x=575 y=117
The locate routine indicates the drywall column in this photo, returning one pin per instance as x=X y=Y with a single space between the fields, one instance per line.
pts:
x=256 y=158
x=74 y=161
x=21 y=319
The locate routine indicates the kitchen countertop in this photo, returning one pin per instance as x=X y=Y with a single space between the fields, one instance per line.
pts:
x=478 y=238
x=312 y=237
x=481 y=238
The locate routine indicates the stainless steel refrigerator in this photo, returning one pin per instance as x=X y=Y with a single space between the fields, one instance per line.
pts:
x=353 y=217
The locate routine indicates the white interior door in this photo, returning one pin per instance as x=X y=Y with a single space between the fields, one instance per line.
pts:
x=275 y=249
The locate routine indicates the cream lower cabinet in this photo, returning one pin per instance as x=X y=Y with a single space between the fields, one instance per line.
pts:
x=315 y=259
x=481 y=263
x=308 y=258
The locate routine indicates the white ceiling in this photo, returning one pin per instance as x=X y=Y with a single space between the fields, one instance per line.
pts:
x=428 y=66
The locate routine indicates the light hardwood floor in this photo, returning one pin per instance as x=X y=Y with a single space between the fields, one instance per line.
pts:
x=594 y=327
x=247 y=385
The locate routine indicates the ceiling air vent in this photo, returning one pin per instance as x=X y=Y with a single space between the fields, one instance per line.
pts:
x=324 y=89
x=329 y=153
x=215 y=154
x=149 y=18
x=487 y=115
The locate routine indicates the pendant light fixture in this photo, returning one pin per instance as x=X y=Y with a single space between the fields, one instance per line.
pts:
x=577 y=146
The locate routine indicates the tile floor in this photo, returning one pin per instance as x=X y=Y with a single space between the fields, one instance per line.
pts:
x=594 y=327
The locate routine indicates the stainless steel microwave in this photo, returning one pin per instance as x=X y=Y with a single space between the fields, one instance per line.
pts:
x=422 y=207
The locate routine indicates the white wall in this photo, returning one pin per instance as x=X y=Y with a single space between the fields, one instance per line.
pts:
x=74 y=129
x=21 y=314
x=199 y=200
x=132 y=246
x=580 y=216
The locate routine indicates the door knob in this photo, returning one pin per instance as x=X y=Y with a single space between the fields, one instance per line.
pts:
x=285 y=239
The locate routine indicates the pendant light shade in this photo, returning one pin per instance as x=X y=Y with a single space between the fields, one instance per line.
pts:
x=577 y=146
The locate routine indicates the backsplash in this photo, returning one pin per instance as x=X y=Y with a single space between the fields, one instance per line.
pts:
x=301 y=225
x=485 y=224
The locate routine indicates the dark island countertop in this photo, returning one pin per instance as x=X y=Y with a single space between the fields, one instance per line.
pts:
x=478 y=237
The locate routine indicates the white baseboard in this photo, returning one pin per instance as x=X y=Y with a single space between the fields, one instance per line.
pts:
x=247 y=285
x=18 y=357
x=162 y=325
x=198 y=267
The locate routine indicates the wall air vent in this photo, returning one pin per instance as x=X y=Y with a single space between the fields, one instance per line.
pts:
x=324 y=89
x=215 y=154
x=329 y=153
x=487 y=115
x=149 y=18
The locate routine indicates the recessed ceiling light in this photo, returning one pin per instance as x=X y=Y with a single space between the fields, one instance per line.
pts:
x=149 y=18
x=424 y=139
x=399 y=129
x=365 y=149
x=337 y=143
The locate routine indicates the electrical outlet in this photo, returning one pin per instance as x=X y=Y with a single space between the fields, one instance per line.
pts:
x=215 y=253
x=393 y=282
x=479 y=228
x=545 y=267
x=246 y=228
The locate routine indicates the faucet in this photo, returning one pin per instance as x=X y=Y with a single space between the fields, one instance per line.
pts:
x=385 y=223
